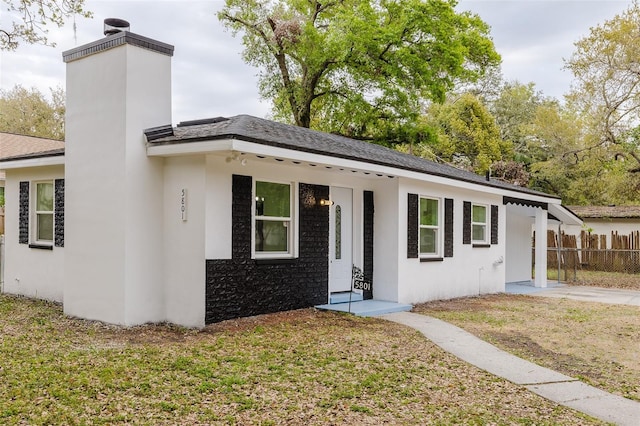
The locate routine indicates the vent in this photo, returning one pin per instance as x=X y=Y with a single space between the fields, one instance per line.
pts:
x=114 y=26
x=203 y=121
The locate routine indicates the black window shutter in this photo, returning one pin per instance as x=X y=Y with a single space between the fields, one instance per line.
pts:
x=466 y=222
x=23 y=214
x=448 y=227
x=367 y=265
x=494 y=224
x=58 y=188
x=412 y=226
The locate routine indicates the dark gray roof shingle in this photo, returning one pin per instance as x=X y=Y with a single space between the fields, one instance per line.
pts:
x=266 y=132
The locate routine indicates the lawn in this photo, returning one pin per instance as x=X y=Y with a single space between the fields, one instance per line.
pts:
x=597 y=279
x=595 y=342
x=302 y=367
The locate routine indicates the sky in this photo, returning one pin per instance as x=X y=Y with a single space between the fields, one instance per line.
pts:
x=210 y=79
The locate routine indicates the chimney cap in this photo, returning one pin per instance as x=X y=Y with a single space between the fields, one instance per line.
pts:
x=115 y=25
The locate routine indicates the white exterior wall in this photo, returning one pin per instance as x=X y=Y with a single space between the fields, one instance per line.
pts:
x=518 y=256
x=471 y=270
x=388 y=240
x=46 y=281
x=184 y=240
x=114 y=193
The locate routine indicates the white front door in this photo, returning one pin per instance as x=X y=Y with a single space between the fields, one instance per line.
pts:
x=340 y=239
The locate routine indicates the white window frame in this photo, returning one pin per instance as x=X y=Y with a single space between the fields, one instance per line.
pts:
x=437 y=227
x=292 y=220
x=35 y=213
x=484 y=224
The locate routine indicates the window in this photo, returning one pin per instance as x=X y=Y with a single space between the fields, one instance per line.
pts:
x=429 y=226
x=273 y=219
x=478 y=223
x=43 y=231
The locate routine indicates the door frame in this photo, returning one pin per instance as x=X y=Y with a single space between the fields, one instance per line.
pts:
x=338 y=195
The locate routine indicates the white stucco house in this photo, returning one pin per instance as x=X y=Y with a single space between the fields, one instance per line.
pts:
x=141 y=221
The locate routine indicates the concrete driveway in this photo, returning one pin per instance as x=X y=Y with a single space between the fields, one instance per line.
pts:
x=582 y=293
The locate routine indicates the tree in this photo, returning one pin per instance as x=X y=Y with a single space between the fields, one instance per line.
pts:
x=515 y=109
x=28 y=112
x=606 y=67
x=467 y=134
x=355 y=67
x=29 y=20
x=571 y=164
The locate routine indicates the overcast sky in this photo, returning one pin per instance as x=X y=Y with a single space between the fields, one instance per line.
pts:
x=210 y=79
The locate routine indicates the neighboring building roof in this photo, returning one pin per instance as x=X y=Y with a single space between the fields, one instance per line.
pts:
x=608 y=212
x=266 y=132
x=12 y=145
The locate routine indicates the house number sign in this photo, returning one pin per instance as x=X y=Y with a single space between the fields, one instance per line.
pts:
x=183 y=204
x=359 y=282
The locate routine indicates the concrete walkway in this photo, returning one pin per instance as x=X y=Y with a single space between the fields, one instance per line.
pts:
x=547 y=383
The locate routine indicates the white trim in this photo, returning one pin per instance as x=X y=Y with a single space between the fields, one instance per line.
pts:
x=293 y=222
x=57 y=160
x=487 y=212
x=34 y=212
x=222 y=145
x=438 y=228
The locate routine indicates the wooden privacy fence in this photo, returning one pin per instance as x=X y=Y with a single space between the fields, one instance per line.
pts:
x=594 y=254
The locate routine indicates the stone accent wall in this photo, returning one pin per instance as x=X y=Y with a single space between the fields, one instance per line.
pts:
x=242 y=286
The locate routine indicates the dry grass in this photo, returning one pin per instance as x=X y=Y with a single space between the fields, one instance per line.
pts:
x=597 y=343
x=300 y=368
x=597 y=279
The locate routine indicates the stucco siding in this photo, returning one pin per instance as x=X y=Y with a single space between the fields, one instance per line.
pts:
x=46 y=281
x=184 y=240
x=518 y=256
x=471 y=270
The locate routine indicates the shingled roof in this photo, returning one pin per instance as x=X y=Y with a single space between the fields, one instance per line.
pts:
x=20 y=146
x=266 y=132
x=606 y=212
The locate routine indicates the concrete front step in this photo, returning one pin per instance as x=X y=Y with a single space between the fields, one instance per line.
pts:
x=343 y=297
x=367 y=308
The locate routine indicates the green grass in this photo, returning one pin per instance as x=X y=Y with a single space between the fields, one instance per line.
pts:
x=301 y=367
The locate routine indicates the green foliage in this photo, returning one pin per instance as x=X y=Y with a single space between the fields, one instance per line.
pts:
x=467 y=134
x=28 y=112
x=29 y=19
x=359 y=68
x=607 y=84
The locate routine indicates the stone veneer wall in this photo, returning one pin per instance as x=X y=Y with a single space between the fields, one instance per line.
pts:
x=242 y=286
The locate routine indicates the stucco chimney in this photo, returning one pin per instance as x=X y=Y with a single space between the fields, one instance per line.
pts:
x=116 y=87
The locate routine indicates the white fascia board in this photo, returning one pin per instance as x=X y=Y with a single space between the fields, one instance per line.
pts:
x=57 y=160
x=565 y=216
x=222 y=145
x=189 y=148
